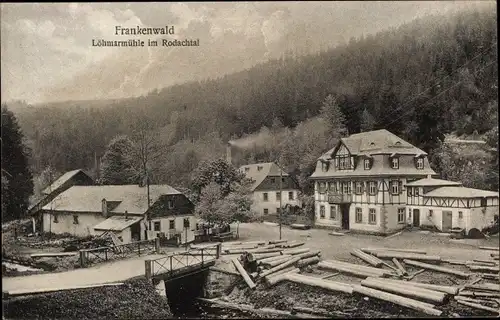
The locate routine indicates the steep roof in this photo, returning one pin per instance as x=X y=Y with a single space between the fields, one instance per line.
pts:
x=61 y=180
x=376 y=142
x=117 y=223
x=460 y=192
x=432 y=182
x=131 y=198
x=267 y=169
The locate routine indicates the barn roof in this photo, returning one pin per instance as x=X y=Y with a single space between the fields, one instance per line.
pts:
x=460 y=192
x=259 y=171
x=61 y=180
x=432 y=182
x=130 y=198
x=117 y=223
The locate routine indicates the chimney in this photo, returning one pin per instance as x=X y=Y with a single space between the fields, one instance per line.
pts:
x=228 y=153
x=104 y=208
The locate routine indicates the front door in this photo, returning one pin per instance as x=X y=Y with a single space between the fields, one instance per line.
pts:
x=344 y=209
x=416 y=217
x=447 y=221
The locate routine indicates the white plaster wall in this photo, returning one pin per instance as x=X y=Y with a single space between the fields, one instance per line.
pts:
x=85 y=226
x=272 y=204
x=364 y=225
x=481 y=217
x=326 y=221
x=165 y=227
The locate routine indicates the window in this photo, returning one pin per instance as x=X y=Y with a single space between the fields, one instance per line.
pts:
x=265 y=196
x=409 y=213
x=410 y=191
x=75 y=219
x=401 y=215
x=186 y=223
x=55 y=219
x=417 y=191
x=395 y=163
x=333 y=212
x=333 y=187
x=170 y=204
x=359 y=187
x=483 y=202
x=259 y=168
x=278 y=196
x=266 y=211
x=367 y=164
x=359 y=215
x=324 y=166
x=373 y=187
x=345 y=188
x=322 y=187
x=157 y=226
x=247 y=169
x=290 y=195
x=171 y=224
x=430 y=213
x=342 y=163
x=322 y=212
x=395 y=187
x=150 y=228
x=460 y=214
x=273 y=180
x=420 y=163
x=372 y=216
x=283 y=180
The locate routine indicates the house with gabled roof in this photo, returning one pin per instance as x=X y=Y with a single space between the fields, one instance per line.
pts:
x=268 y=179
x=123 y=210
x=374 y=181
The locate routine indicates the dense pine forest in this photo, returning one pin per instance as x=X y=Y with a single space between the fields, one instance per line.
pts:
x=433 y=76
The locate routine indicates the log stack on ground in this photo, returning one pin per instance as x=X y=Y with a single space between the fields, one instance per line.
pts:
x=436 y=268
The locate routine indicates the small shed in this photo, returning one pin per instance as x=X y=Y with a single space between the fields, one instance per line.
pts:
x=121 y=226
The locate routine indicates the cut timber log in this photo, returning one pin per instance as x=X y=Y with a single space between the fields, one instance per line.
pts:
x=366 y=257
x=315 y=311
x=291 y=262
x=277 y=257
x=296 y=251
x=338 y=234
x=484 y=286
x=348 y=270
x=485 y=261
x=483 y=268
x=478 y=306
x=266 y=312
x=53 y=254
x=259 y=250
x=277 y=241
x=490 y=276
x=394 y=235
x=399 y=266
x=308 y=254
x=275 y=263
x=475 y=300
x=405 y=290
x=479 y=294
x=416 y=273
x=404 y=255
x=490 y=248
x=436 y=268
x=243 y=273
x=305 y=262
x=279 y=276
x=262 y=256
x=445 y=289
x=402 y=301
x=292 y=244
x=330 y=275
x=374 y=250
x=320 y=283
x=357 y=266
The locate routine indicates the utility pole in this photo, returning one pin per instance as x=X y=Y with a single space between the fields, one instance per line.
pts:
x=281 y=196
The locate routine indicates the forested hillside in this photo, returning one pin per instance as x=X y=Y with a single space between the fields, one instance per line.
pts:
x=430 y=77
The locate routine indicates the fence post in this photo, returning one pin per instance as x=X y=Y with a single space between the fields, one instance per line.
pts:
x=106 y=254
x=157 y=245
x=139 y=247
x=148 y=269
x=202 y=256
x=170 y=264
x=219 y=246
x=83 y=261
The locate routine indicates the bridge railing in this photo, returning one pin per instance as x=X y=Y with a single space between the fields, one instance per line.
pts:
x=179 y=260
x=103 y=254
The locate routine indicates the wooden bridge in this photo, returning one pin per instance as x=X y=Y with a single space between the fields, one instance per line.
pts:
x=180 y=264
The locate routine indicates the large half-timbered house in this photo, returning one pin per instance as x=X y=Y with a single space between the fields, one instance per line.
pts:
x=360 y=184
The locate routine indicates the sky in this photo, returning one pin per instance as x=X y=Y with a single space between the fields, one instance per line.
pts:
x=47 y=52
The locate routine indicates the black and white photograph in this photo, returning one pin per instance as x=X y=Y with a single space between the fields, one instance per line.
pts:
x=260 y=159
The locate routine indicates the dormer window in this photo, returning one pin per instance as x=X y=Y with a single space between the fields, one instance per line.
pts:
x=395 y=163
x=259 y=168
x=367 y=164
x=342 y=163
x=420 y=163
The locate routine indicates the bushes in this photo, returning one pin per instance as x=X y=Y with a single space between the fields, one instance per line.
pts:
x=136 y=299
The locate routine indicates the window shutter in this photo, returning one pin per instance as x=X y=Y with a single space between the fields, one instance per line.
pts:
x=400 y=187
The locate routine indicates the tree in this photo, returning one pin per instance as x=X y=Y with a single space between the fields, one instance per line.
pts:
x=335 y=119
x=217 y=171
x=17 y=179
x=117 y=166
x=44 y=179
x=367 y=121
